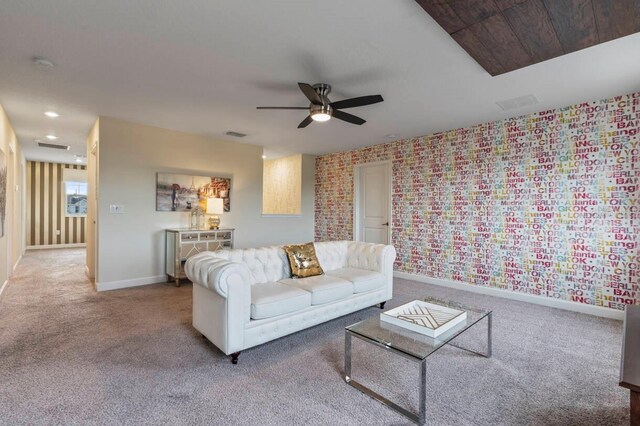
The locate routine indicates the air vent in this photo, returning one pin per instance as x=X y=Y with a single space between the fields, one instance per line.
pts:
x=518 y=102
x=236 y=134
x=53 y=146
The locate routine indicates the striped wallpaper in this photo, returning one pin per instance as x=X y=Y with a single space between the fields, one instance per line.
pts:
x=45 y=206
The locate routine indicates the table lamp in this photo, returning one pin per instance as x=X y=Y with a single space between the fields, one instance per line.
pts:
x=215 y=206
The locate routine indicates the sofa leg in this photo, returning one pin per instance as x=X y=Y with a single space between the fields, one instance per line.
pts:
x=234 y=357
x=382 y=305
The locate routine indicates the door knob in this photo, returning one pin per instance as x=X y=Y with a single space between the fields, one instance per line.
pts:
x=385 y=224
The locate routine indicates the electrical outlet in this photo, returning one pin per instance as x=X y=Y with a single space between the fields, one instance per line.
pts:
x=116 y=209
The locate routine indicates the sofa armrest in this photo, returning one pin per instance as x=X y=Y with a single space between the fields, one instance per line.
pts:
x=221 y=299
x=216 y=274
x=373 y=257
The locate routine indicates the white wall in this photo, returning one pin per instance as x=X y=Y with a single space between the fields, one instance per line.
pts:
x=131 y=245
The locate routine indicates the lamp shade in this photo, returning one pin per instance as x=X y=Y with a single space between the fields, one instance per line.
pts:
x=215 y=206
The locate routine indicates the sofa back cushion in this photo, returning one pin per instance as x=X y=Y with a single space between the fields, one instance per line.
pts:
x=265 y=263
x=268 y=264
x=332 y=254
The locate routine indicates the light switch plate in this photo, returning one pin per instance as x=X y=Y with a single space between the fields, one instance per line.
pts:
x=116 y=209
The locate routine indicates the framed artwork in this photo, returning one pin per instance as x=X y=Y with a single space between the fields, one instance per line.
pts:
x=3 y=191
x=183 y=193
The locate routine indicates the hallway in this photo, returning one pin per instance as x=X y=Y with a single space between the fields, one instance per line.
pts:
x=60 y=340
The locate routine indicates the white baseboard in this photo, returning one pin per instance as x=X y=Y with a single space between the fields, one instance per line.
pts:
x=16 y=264
x=53 y=246
x=3 y=286
x=115 y=285
x=506 y=294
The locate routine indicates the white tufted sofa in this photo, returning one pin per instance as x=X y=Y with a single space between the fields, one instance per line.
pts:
x=243 y=298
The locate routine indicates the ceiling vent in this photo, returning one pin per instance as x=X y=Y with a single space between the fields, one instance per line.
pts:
x=42 y=63
x=518 y=102
x=53 y=146
x=236 y=134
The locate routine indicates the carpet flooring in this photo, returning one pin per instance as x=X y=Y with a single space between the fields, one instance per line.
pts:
x=69 y=355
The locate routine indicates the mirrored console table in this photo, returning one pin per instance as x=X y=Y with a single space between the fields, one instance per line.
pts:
x=184 y=243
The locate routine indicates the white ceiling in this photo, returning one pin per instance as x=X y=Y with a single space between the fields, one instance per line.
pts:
x=203 y=66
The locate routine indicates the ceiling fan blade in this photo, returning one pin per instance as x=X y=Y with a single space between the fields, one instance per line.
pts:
x=304 y=123
x=356 y=102
x=282 y=107
x=340 y=115
x=310 y=93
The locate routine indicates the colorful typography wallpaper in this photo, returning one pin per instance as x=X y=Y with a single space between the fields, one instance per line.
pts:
x=546 y=204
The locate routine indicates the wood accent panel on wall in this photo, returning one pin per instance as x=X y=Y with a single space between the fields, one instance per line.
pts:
x=282 y=186
x=505 y=35
x=45 y=206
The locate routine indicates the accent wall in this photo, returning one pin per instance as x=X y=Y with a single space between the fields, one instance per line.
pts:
x=545 y=204
x=46 y=204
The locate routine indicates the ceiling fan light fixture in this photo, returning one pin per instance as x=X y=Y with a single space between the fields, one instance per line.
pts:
x=322 y=109
x=320 y=116
x=320 y=113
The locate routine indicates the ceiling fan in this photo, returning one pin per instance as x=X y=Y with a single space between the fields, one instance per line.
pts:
x=322 y=109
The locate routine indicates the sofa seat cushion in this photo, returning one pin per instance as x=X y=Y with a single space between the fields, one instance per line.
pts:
x=362 y=279
x=271 y=299
x=323 y=288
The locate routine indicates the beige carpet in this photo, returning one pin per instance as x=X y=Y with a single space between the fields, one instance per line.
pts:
x=69 y=355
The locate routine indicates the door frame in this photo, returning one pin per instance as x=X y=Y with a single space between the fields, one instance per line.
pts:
x=357 y=170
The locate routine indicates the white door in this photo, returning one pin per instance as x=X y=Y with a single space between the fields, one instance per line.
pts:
x=373 y=202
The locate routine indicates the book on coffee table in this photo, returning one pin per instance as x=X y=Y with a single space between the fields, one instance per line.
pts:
x=424 y=318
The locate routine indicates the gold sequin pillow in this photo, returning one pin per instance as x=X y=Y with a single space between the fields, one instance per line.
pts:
x=303 y=260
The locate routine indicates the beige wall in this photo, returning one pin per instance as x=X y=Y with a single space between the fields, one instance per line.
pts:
x=19 y=200
x=131 y=245
x=46 y=207
x=92 y=186
x=282 y=185
x=12 y=242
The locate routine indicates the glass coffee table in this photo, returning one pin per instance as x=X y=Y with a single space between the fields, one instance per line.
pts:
x=413 y=346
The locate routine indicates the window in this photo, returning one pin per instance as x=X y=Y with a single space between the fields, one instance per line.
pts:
x=75 y=198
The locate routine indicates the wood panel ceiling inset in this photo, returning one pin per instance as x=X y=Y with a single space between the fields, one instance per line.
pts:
x=505 y=35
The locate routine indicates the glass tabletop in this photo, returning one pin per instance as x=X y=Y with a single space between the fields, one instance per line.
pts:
x=410 y=342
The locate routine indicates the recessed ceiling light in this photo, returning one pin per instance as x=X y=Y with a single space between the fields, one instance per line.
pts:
x=391 y=136
x=41 y=62
x=52 y=114
x=79 y=160
x=264 y=157
x=52 y=137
